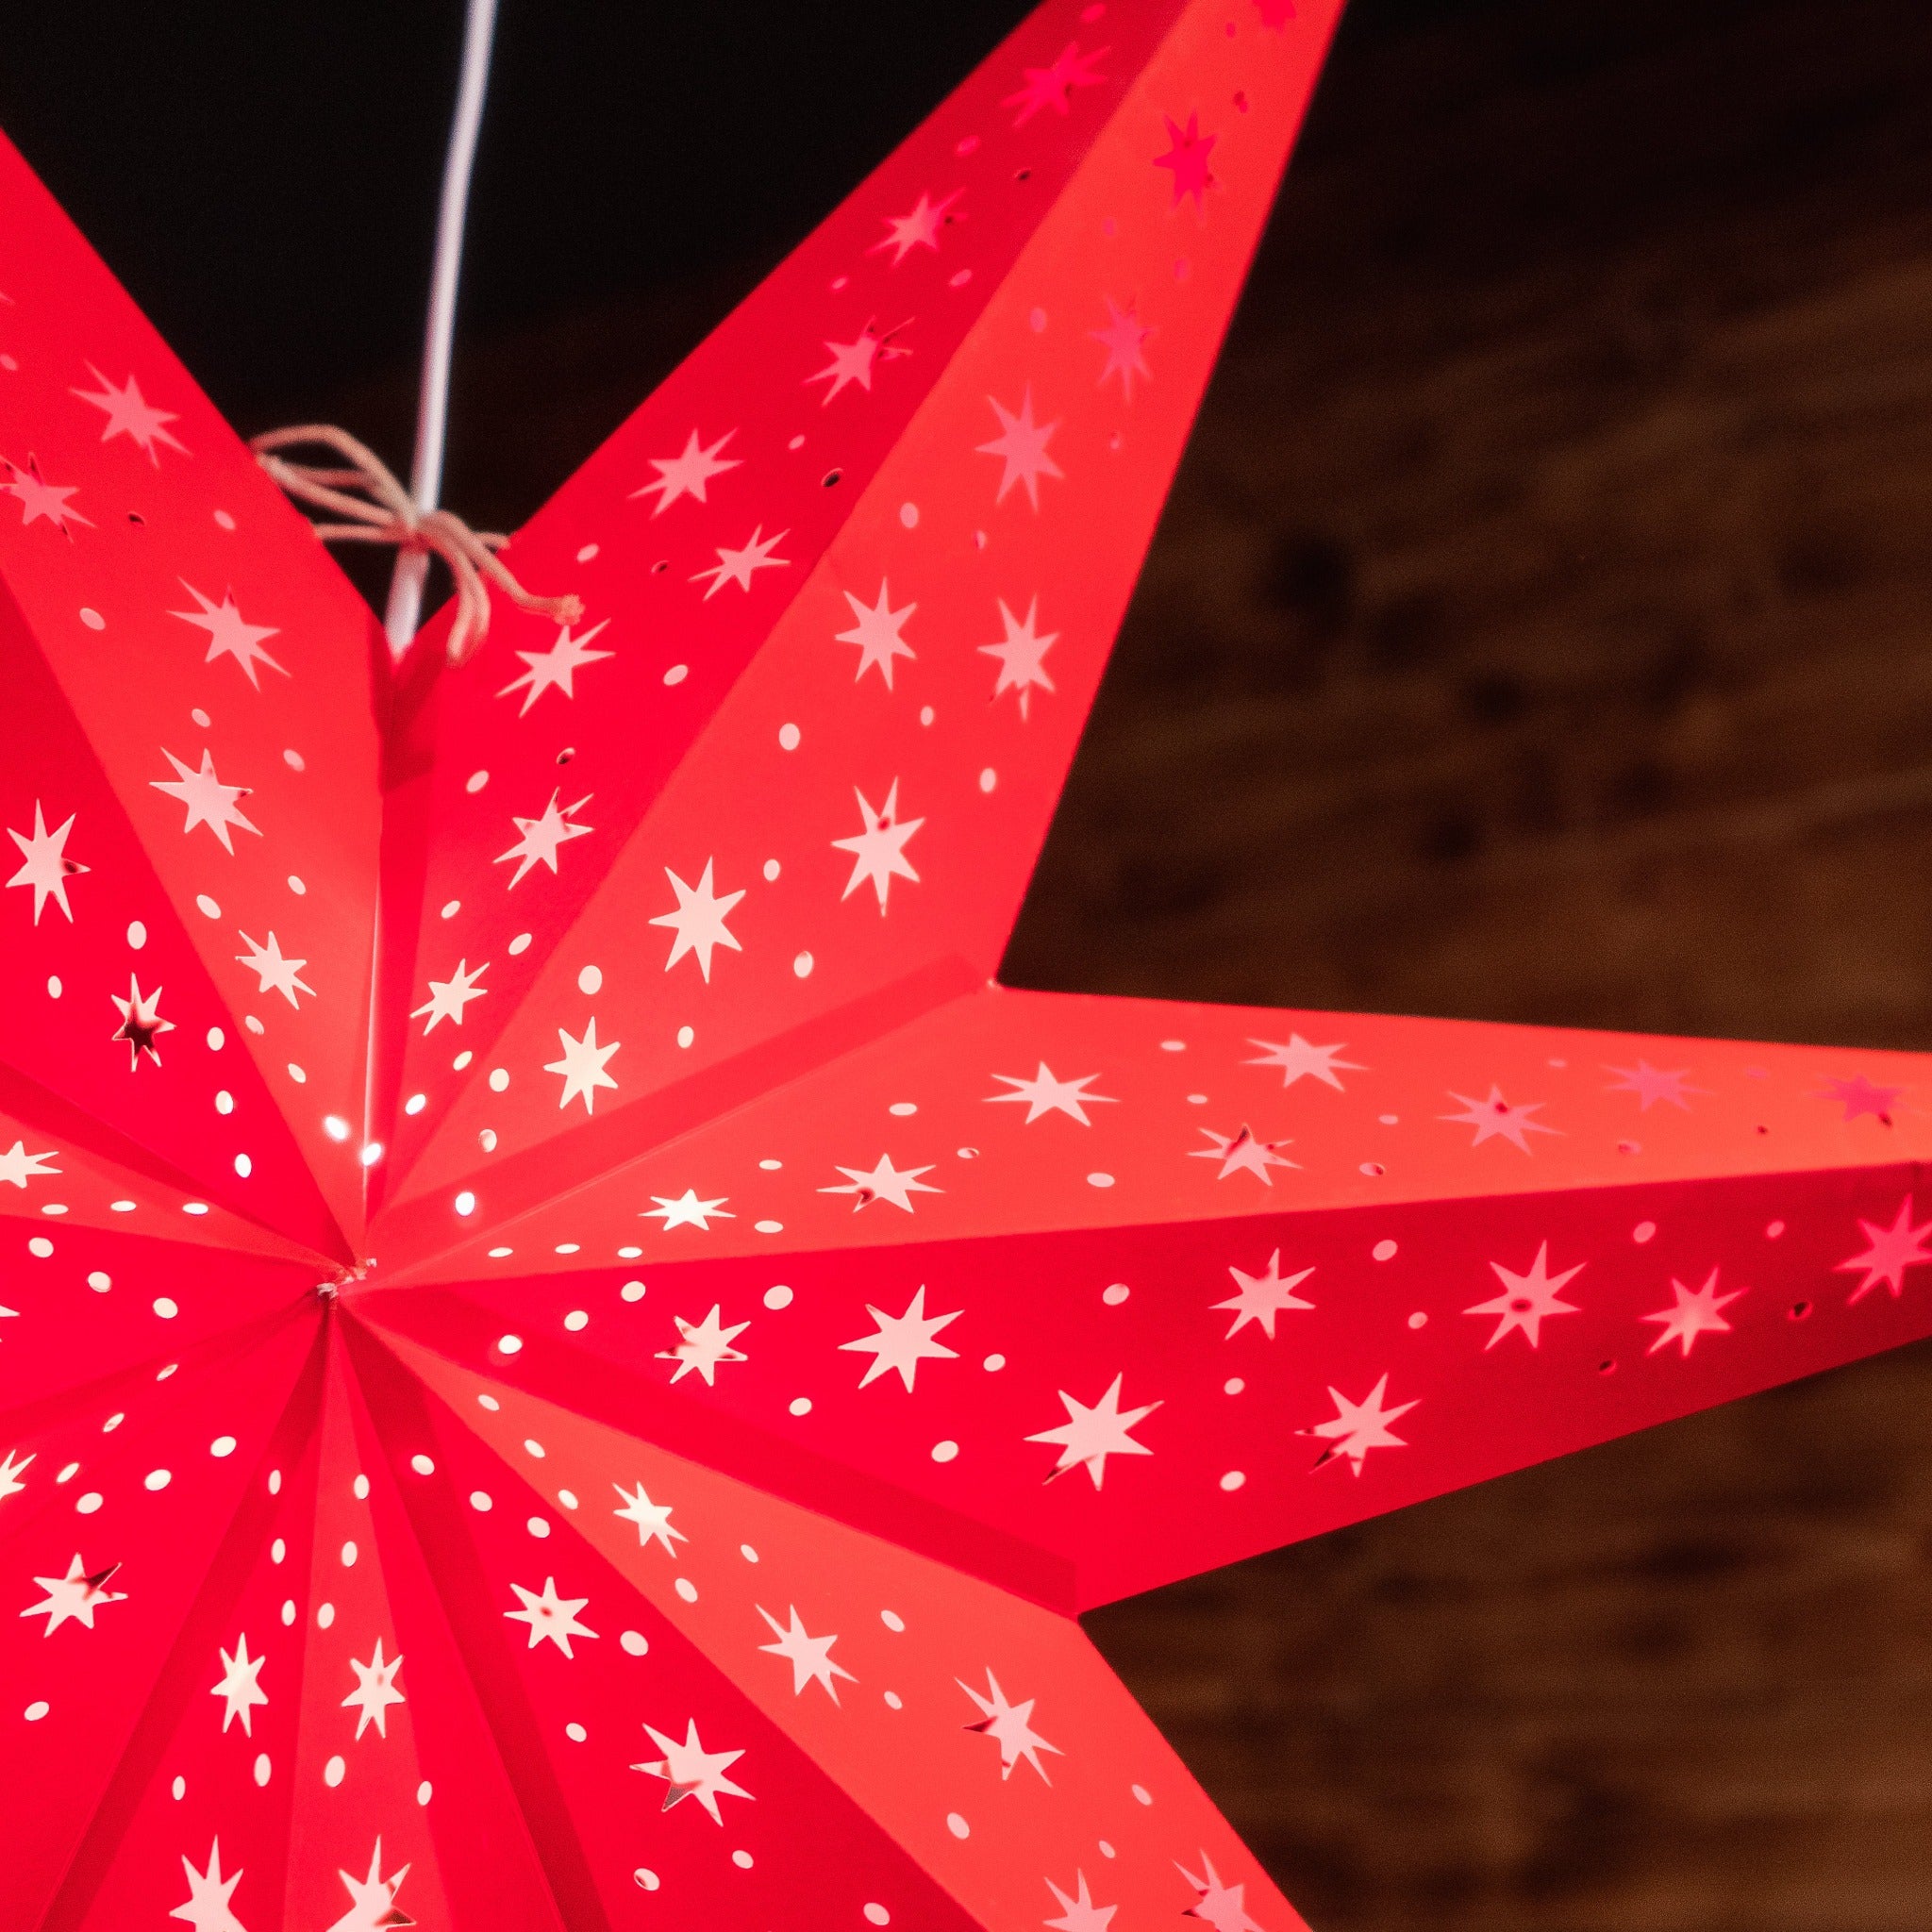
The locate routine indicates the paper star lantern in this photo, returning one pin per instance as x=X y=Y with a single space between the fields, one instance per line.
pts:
x=569 y=1357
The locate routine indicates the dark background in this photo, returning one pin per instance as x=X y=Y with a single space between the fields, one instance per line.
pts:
x=1539 y=631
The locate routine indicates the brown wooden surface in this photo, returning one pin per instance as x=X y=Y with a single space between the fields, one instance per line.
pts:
x=1541 y=629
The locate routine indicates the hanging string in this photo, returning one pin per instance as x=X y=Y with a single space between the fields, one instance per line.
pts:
x=382 y=511
x=432 y=406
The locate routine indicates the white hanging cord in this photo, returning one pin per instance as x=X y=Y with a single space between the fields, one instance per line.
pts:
x=432 y=406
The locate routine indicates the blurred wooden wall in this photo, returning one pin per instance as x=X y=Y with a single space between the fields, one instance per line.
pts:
x=1541 y=629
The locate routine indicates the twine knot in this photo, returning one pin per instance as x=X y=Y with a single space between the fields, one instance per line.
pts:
x=384 y=512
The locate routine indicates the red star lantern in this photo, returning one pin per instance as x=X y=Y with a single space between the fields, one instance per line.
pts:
x=568 y=1355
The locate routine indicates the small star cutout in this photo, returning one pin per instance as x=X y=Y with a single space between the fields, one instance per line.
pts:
x=1694 y=1314
x=1526 y=1299
x=1890 y=1252
x=1496 y=1118
x=1242 y=1154
x=1021 y=445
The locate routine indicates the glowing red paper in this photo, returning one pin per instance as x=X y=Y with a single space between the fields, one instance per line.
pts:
x=568 y=1355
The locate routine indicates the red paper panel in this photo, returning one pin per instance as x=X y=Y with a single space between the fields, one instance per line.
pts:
x=191 y=634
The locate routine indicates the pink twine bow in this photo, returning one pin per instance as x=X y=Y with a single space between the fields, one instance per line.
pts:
x=389 y=516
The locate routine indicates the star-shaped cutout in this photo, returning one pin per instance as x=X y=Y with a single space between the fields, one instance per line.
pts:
x=44 y=863
x=376 y=1691
x=582 y=1067
x=698 y=922
x=206 y=1909
x=1694 y=1313
x=1890 y=1252
x=1275 y=14
x=705 y=1346
x=878 y=852
x=240 y=1686
x=1090 y=1436
x=1021 y=445
x=1010 y=1727
x=18 y=1166
x=687 y=1210
x=1122 y=338
x=1022 y=654
x=130 y=414
x=1261 y=1298
x=228 y=635
x=276 y=974
x=1187 y=160
x=1356 y=1427
x=76 y=1597
x=557 y=668
x=1297 y=1060
x=876 y=631
x=919 y=229
x=1223 y=1906
x=811 y=1657
x=1496 y=1118
x=1652 y=1084
x=903 y=1342
x=1859 y=1096
x=691 y=1772
x=1242 y=1154
x=39 y=499
x=653 y=1520
x=1044 y=1093
x=853 y=362
x=1052 y=87
x=1079 y=1913
x=884 y=1182
x=372 y=1906
x=13 y=1465
x=448 y=997
x=555 y=826
x=209 y=801
x=737 y=566
x=141 y=1023
x=688 y=473
x=1526 y=1299
x=550 y=1616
